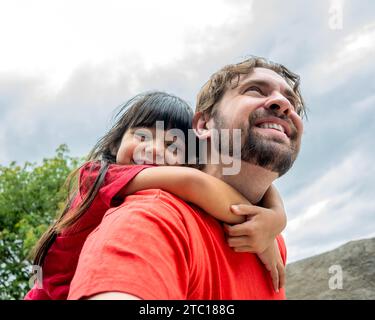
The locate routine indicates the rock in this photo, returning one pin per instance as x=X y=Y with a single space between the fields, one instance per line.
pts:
x=347 y=272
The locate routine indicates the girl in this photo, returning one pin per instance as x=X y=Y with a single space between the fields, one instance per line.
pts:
x=110 y=175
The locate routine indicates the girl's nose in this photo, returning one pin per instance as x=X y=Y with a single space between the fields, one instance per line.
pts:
x=155 y=153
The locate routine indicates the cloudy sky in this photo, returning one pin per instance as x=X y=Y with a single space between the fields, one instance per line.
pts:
x=66 y=65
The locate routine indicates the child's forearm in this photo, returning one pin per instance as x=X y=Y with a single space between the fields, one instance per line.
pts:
x=215 y=197
x=209 y=193
x=272 y=200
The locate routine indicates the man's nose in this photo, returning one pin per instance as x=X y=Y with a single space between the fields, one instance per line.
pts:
x=279 y=104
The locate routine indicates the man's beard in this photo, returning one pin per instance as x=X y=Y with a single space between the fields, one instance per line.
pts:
x=270 y=153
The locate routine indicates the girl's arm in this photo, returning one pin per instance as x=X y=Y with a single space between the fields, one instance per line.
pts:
x=209 y=193
x=273 y=201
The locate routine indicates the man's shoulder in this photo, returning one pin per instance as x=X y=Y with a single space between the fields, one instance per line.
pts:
x=152 y=211
x=155 y=203
x=158 y=197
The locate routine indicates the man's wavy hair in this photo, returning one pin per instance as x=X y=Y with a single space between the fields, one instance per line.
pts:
x=229 y=76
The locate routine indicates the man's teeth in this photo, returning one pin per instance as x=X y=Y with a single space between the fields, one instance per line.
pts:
x=268 y=125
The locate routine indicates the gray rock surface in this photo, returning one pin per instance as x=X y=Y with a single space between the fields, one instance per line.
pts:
x=347 y=272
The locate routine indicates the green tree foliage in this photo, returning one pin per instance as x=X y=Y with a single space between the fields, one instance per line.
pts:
x=30 y=197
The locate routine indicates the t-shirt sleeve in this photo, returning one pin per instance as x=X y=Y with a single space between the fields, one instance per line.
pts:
x=116 y=178
x=140 y=248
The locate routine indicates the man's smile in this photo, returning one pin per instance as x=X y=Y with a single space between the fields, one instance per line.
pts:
x=274 y=123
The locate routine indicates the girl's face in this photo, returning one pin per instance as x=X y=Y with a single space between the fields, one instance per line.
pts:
x=150 y=146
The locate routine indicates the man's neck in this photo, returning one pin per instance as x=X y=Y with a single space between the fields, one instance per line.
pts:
x=252 y=181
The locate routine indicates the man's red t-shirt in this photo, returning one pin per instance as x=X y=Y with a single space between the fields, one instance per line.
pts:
x=156 y=246
x=61 y=261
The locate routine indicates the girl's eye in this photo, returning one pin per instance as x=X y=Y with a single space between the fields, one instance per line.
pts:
x=177 y=142
x=142 y=136
x=169 y=143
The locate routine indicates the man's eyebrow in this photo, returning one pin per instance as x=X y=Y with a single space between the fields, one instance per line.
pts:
x=262 y=83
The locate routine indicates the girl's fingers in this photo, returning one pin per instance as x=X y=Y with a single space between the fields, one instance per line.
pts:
x=275 y=278
x=242 y=249
x=244 y=209
x=281 y=270
x=242 y=241
x=236 y=230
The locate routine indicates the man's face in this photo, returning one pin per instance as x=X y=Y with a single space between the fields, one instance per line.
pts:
x=262 y=106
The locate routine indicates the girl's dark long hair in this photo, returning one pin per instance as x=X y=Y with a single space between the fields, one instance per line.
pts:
x=143 y=110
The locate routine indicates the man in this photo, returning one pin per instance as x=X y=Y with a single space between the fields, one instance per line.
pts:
x=156 y=246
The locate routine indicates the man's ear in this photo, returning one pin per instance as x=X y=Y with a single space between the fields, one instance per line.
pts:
x=202 y=125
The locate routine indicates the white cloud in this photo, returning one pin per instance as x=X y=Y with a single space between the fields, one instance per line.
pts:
x=311 y=213
x=356 y=42
x=338 y=179
x=86 y=57
x=343 y=61
x=53 y=38
x=365 y=104
x=332 y=210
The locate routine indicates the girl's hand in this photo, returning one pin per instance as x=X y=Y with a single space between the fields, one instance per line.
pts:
x=273 y=262
x=256 y=234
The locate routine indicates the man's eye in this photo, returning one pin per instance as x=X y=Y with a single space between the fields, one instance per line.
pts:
x=293 y=103
x=254 y=88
